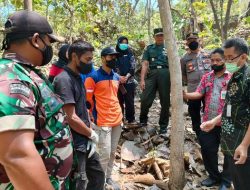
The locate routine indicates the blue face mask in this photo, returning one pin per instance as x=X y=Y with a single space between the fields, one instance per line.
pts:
x=123 y=46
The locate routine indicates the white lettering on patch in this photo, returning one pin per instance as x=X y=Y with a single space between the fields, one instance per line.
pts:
x=17 y=88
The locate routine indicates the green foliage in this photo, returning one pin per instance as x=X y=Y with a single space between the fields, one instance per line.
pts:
x=102 y=24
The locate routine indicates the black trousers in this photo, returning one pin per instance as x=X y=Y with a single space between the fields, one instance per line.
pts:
x=240 y=173
x=194 y=108
x=90 y=173
x=210 y=142
x=128 y=100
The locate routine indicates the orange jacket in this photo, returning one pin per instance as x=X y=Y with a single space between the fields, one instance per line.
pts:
x=101 y=93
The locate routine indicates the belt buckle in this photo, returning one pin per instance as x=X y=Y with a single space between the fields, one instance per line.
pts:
x=158 y=66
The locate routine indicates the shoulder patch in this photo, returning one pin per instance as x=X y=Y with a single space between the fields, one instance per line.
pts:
x=17 y=88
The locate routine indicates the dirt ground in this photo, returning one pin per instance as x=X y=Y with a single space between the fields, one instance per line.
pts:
x=136 y=145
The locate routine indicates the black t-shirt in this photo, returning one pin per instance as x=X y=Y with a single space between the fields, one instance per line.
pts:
x=69 y=86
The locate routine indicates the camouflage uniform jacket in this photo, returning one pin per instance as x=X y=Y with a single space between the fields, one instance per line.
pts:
x=28 y=102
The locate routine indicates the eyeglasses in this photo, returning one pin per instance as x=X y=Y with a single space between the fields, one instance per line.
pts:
x=232 y=58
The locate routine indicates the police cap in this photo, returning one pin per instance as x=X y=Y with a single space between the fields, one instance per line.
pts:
x=158 y=31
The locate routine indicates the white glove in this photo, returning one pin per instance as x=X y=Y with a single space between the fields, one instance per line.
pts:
x=92 y=147
x=94 y=137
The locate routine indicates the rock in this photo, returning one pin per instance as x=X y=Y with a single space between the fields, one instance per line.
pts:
x=131 y=152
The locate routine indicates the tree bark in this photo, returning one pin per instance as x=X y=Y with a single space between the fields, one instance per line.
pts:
x=221 y=18
x=149 y=20
x=27 y=4
x=195 y=27
x=101 y=5
x=71 y=12
x=217 y=23
x=227 y=17
x=177 y=171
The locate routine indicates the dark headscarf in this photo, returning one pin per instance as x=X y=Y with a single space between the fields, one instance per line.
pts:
x=120 y=39
x=62 y=59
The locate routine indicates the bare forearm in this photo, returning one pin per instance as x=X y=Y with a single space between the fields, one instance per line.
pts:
x=28 y=172
x=79 y=126
x=194 y=95
x=144 y=69
x=217 y=120
x=246 y=139
x=21 y=161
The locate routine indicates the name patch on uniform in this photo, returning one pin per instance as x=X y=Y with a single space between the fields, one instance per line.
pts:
x=190 y=67
x=17 y=88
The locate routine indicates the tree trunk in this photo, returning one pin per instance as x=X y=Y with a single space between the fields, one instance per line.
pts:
x=149 y=20
x=195 y=27
x=221 y=18
x=217 y=22
x=227 y=17
x=27 y=4
x=71 y=24
x=101 y=5
x=177 y=171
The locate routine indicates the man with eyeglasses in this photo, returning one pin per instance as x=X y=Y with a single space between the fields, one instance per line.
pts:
x=213 y=87
x=194 y=64
x=235 y=118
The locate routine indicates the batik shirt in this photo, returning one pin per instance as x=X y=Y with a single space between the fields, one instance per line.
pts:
x=27 y=101
x=214 y=91
x=236 y=112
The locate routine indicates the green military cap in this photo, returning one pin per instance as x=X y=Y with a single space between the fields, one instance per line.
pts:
x=158 y=31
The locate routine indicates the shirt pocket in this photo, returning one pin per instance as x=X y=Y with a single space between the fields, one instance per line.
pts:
x=153 y=56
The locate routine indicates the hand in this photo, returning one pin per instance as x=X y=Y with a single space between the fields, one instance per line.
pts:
x=92 y=147
x=208 y=125
x=123 y=79
x=240 y=154
x=142 y=84
x=184 y=94
x=94 y=137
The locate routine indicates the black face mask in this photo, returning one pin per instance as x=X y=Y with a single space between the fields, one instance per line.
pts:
x=193 y=45
x=47 y=53
x=111 y=64
x=84 y=68
x=218 y=68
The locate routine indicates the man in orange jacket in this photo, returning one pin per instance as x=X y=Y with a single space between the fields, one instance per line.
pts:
x=101 y=89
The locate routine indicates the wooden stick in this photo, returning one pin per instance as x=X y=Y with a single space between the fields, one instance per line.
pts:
x=157 y=170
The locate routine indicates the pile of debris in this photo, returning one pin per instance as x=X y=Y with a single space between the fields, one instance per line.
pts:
x=142 y=157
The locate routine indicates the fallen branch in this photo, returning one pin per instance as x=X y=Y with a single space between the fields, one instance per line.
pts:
x=157 y=170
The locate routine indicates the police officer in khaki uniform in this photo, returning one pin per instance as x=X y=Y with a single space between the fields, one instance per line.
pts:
x=194 y=64
x=155 y=76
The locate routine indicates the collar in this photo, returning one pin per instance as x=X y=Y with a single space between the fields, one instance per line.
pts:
x=155 y=46
x=16 y=58
x=105 y=73
x=226 y=73
x=71 y=72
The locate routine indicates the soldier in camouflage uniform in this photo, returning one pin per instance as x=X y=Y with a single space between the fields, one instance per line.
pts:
x=194 y=64
x=36 y=149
